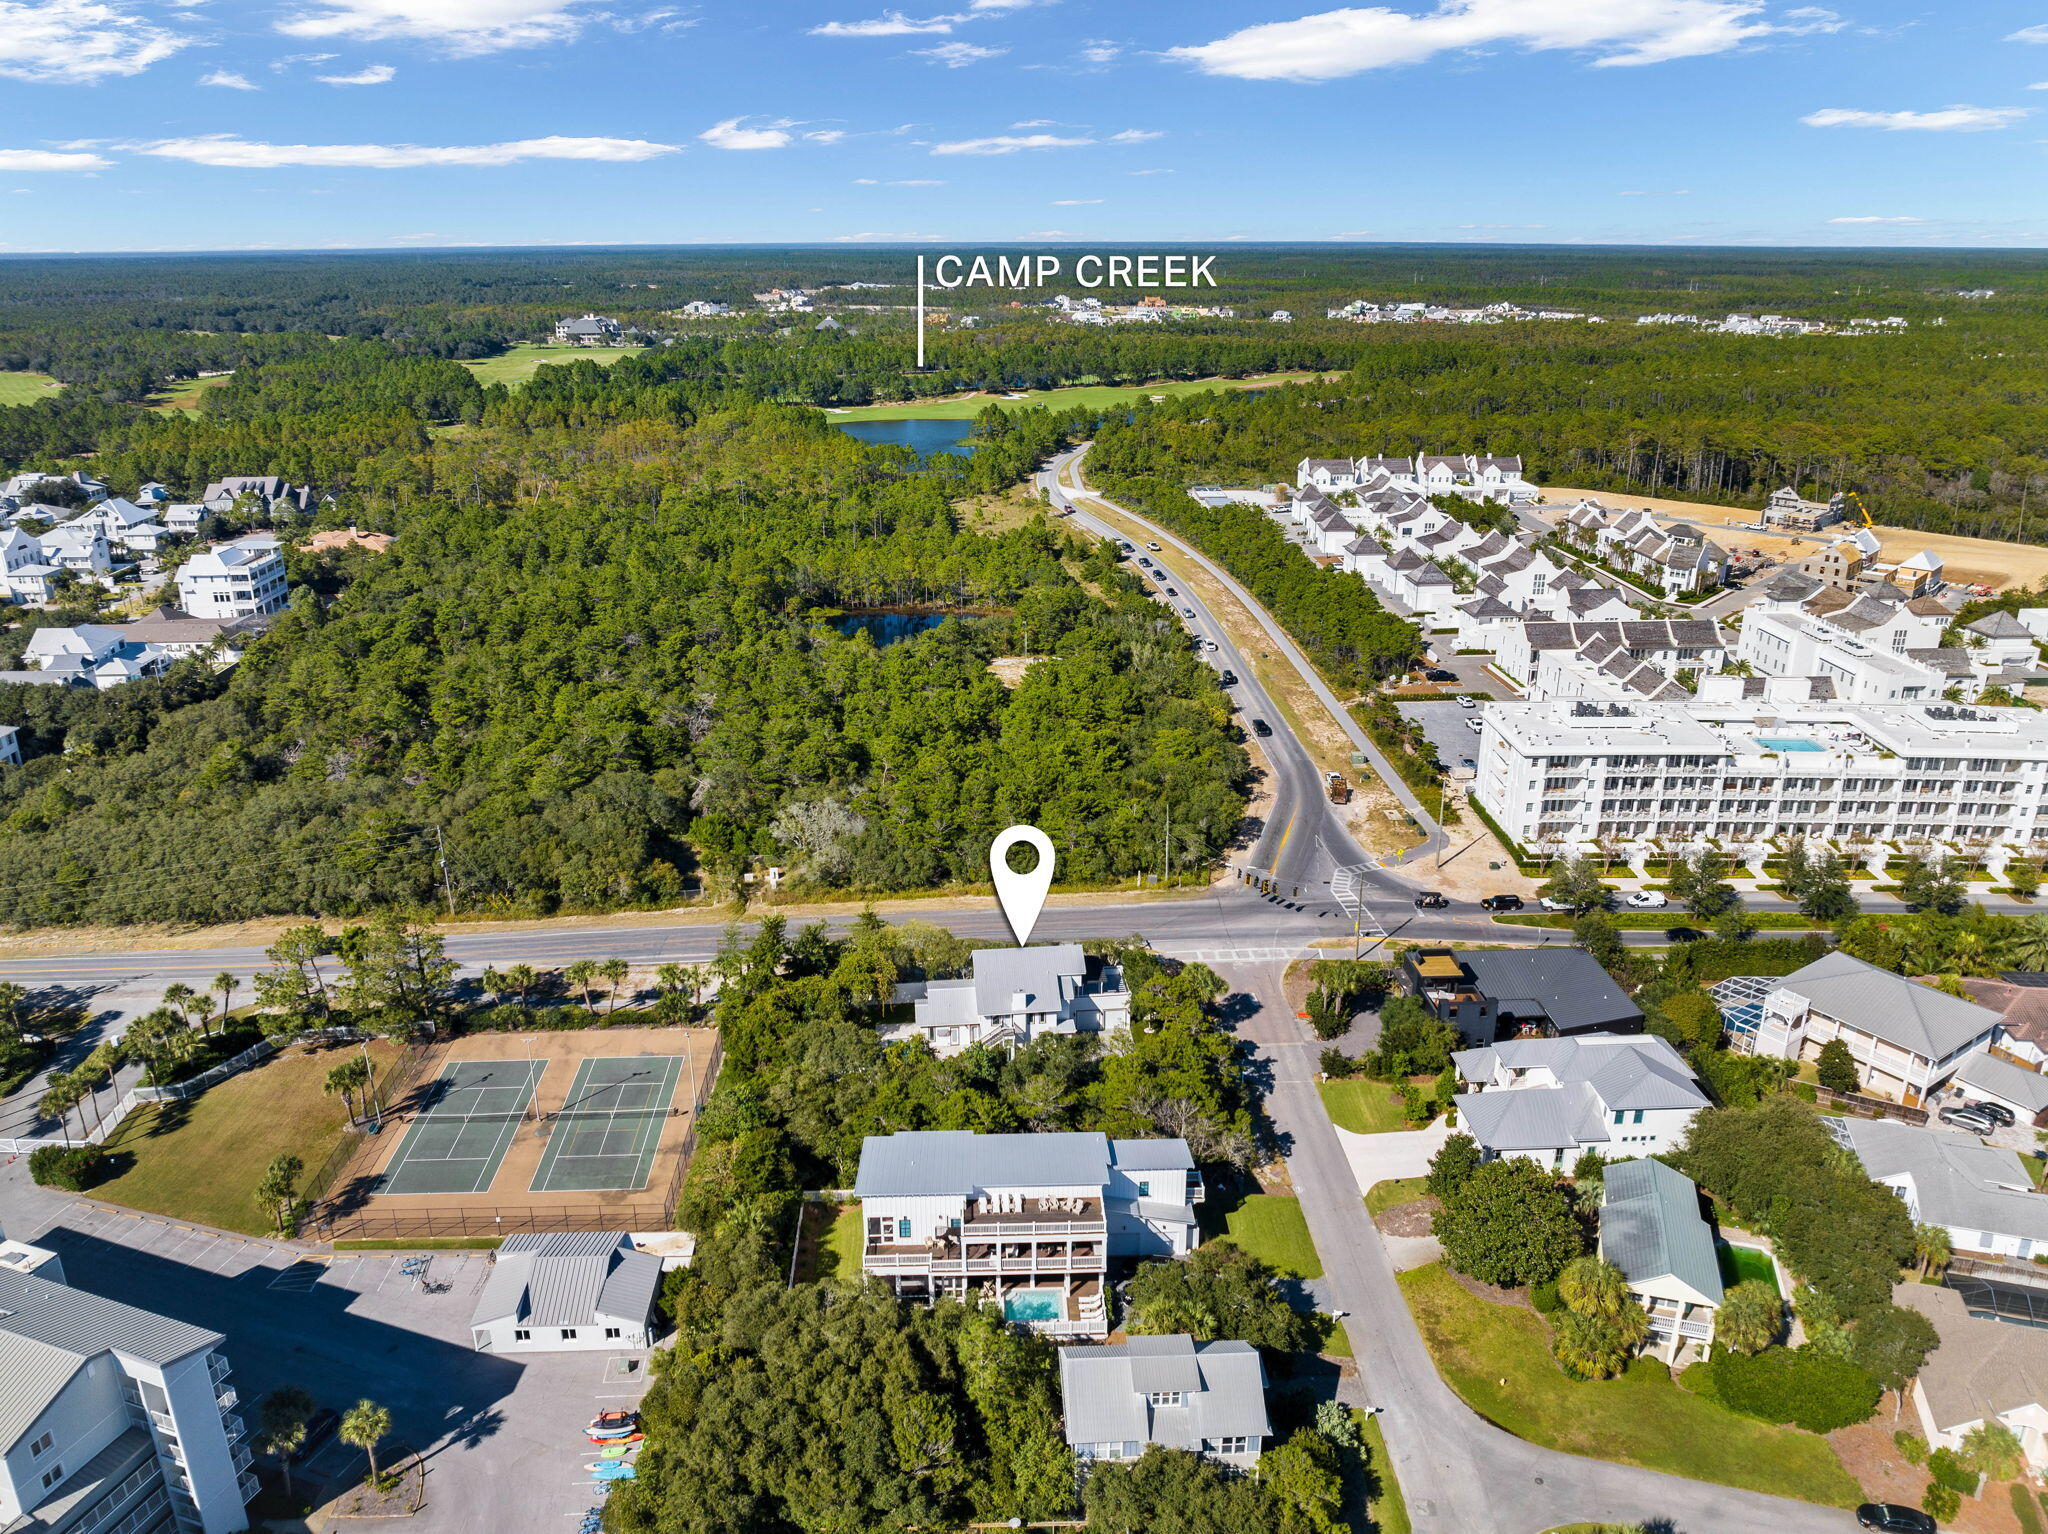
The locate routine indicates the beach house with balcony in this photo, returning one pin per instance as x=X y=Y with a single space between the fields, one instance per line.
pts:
x=1031 y=1222
x=1205 y=1397
x=1651 y=1228
x=1015 y=995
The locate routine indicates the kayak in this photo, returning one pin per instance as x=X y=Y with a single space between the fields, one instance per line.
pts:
x=611 y=1424
x=617 y=1451
x=618 y=1438
x=612 y=1470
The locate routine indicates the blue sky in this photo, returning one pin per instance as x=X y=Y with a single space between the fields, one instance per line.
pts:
x=219 y=124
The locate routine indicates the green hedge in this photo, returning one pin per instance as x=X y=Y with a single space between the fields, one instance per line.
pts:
x=2023 y=1509
x=73 y=1168
x=1798 y=1386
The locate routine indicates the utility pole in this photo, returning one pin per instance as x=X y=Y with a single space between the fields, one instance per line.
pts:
x=920 y=314
x=441 y=857
x=1166 y=848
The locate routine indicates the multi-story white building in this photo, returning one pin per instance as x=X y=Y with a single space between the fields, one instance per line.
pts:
x=112 y=1418
x=1794 y=644
x=1677 y=558
x=1926 y=774
x=1014 y=996
x=243 y=579
x=1204 y=1397
x=1028 y=1221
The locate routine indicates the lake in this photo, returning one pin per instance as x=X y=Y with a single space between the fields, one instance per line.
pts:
x=887 y=628
x=924 y=436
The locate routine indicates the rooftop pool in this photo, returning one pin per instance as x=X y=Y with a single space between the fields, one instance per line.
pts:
x=1788 y=743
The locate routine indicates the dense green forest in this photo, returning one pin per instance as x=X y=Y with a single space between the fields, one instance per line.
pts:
x=598 y=667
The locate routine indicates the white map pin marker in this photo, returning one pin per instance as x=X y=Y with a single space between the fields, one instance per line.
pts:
x=1022 y=895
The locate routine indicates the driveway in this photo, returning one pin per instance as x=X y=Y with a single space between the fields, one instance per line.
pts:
x=1385 y=1157
x=502 y=1435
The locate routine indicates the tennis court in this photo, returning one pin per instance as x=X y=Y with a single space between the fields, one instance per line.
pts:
x=604 y=1136
x=467 y=1120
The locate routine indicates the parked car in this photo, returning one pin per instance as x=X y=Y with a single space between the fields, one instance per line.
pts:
x=1997 y=1112
x=1431 y=900
x=1972 y=1118
x=1645 y=900
x=1153 y=547
x=1438 y=674
x=319 y=1428
x=1229 y=677
x=1476 y=725
x=1551 y=903
x=1894 y=1519
x=1468 y=702
x=1143 y=562
x=1261 y=729
x=1185 y=612
x=1209 y=644
x=1502 y=903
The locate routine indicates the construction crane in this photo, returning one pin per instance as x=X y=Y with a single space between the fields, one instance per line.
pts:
x=1862 y=510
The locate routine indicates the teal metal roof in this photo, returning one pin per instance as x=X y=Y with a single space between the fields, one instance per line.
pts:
x=1650 y=1227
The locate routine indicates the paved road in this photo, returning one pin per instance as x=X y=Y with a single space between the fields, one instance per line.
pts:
x=1459 y=1473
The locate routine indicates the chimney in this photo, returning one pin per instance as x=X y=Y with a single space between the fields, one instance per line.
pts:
x=1020 y=1001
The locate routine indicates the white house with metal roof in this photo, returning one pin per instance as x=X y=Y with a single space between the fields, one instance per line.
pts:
x=1014 y=996
x=1027 y=1221
x=1205 y=1397
x=1651 y=1228
x=567 y=1292
x=112 y=1418
x=1550 y=1100
x=1982 y=1195
x=1907 y=1039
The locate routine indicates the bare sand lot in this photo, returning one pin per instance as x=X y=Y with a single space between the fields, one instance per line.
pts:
x=1971 y=561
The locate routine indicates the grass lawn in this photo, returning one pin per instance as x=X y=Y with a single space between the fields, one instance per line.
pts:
x=840 y=1256
x=1270 y=1226
x=1740 y=1264
x=1382 y=1196
x=186 y=395
x=26 y=388
x=1092 y=395
x=518 y=365
x=1363 y=1107
x=1389 y=1510
x=201 y=1160
x=1644 y=1418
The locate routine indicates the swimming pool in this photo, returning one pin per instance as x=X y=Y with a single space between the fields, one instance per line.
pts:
x=1788 y=743
x=1034 y=1304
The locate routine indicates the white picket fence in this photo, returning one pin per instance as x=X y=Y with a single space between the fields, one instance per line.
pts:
x=177 y=1091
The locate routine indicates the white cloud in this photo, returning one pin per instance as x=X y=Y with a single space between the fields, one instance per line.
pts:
x=1332 y=44
x=46 y=159
x=986 y=6
x=854 y=239
x=730 y=135
x=1150 y=173
x=1099 y=51
x=1806 y=20
x=460 y=26
x=1074 y=202
x=1872 y=218
x=920 y=181
x=228 y=79
x=374 y=74
x=888 y=24
x=1010 y=143
x=1049 y=234
x=2041 y=85
x=2029 y=35
x=1355 y=234
x=79 y=42
x=824 y=135
x=224 y=149
x=1946 y=120
x=1503 y=226
x=1136 y=135
x=958 y=55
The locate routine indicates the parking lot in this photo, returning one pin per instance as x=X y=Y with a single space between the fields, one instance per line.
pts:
x=1448 y=727
x=502 y=1436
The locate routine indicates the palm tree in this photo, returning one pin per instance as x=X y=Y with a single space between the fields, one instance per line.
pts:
x=613 y=972
x=1931 y=1248
x=61 y=1093
x=11 y=998
x=579 y=976
x=347 y=1079
x=363 y=1426
x=179 y=998
x=1993 y=1449
x=492 y=980
x=1750 y=1317
x=522 y=978
x=227 y=985
x=1587 y=1347
x=2027 y=947
x=1595 y=1288
x=285 y=1413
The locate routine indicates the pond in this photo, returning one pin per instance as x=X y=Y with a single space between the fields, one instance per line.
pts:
x=887 y=628
x=922 y=435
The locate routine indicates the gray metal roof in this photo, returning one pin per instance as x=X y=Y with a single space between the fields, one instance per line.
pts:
x=1569 y=987
x=1001 y=974
x=945 y=1162
x=1533 y=1118
x=48 y=1331
x=1890 y=1007
x=1650 y=1227
x=1596 y=1076
x=2002 y=1078
x=1102 y=1392
x=569 y=1278
x=1957 y=1181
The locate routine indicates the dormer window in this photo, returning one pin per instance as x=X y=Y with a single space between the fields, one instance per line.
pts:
x=1166 y=1398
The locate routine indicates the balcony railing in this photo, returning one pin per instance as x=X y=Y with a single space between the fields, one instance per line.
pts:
x=218 y=1367
x=228 y=1398
x=249 y=1487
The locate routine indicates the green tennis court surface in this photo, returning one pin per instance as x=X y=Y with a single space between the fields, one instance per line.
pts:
x=466 y=1123
x=604 y=1137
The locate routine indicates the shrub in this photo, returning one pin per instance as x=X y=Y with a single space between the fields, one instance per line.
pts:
x=73 y=1168
x=2023 y=1509
x=1837 y=1067
x=1911 y=1446
x=1544 y=1297
x=1337 y=1065
x=1950 y=1469
x=1798 y=1386
x=1941 y=1502
x=1804 y=1091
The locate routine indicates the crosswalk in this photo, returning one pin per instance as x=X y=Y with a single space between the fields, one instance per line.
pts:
x=1347 y=888
x=1232 y=955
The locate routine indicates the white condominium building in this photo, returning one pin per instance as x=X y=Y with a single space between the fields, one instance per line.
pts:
x=1574 y=771
x=113 y=1420
x=243 y=579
